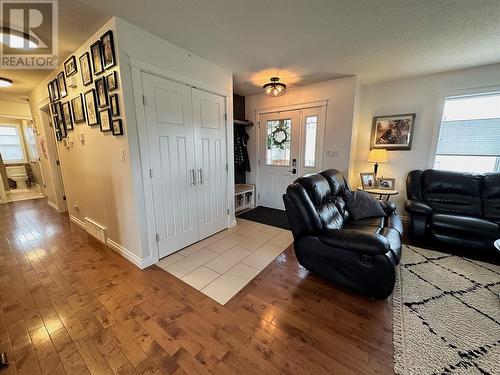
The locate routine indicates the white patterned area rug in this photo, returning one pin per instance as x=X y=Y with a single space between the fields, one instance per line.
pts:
x=446 y=315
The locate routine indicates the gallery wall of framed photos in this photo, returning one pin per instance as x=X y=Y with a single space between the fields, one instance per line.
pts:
x=86 y=90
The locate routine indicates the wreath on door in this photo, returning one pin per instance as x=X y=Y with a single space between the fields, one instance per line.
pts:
x=279 y=137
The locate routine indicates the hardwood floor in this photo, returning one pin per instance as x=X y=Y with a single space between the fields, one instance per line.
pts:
x=69 y=305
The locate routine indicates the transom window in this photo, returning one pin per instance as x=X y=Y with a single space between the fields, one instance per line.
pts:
x=469 y=138
x=10 y=144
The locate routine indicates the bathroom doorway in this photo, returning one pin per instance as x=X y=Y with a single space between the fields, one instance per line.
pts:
x=49 y=162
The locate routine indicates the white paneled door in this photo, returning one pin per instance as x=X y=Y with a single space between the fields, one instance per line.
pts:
x=187 y=150
x=211 y=168
x=279 y=152
x=290 y=145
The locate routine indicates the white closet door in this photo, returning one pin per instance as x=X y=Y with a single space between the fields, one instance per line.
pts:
x=171 y=146
x=210 y=148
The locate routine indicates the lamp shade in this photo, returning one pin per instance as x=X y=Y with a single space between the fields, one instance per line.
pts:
x=378 y=155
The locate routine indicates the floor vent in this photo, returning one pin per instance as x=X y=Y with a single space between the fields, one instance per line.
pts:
x=95 y=229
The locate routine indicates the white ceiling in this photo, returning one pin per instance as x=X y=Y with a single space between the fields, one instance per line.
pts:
x=305 y=41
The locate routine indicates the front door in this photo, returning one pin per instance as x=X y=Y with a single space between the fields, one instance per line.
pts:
x=279 y=152
x=290 y=146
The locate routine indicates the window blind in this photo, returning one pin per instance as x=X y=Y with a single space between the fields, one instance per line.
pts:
x=480 y=137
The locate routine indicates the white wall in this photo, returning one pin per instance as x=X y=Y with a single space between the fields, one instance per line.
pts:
x=133 y=42
x=96 y=180
x=340 y=96
x=422 y=95
x=18 y=110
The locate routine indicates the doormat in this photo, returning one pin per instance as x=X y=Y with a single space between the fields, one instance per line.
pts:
x=268 y=216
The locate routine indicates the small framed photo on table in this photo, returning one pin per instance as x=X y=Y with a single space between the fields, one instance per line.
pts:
x=386 y=183
x=368 y=180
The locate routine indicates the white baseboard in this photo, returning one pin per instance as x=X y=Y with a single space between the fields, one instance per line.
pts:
x=77 y=221
x=141 y=263
x=53 y=205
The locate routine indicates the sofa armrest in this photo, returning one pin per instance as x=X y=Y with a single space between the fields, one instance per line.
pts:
x=388 y=207
x=418 y=207
x=356 y=240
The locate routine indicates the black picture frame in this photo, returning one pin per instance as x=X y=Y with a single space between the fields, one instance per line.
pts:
x=85 y=69
x=112 y=81
x=117 y=127
x=67 y=119
x=105 y=120
x=393 y=132
x=70 y=67
x=50 y=90
x=78 y=109
x=102 y=92
x=108 y=50
x=55 y=89
x=59 y=115
x=113 y=104
x=58 y=135
x=91 y=107
x=96 y=56
x=64 y=132
x=61 y=84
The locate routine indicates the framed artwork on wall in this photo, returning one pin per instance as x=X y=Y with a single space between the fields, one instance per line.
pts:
x=77 y=109
x=112 y=81
x=113 y=102
x=55 y=89
x=368 y=180
x=61 y=83
x=96 y=53
x=85 y=69
x=105 y=120
x=51 y=91
x=102 y=93
x=70 y=66
x=58 y=135
x=91 y=108
x=59 y=114
x=393 y=132
x=117 y=127
x=67 y=120
x=108 y=50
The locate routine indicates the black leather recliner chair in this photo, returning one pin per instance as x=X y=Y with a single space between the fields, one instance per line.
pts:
x=360 y=255
x=457 y=209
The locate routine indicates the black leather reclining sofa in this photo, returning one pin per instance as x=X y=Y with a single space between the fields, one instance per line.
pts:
x=360 y=255
x=460 y=210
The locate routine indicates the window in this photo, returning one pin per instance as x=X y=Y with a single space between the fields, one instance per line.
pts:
x=10 y=144
x=310 y=143
x=469 y=138
x=29 y=136
x=278 y=142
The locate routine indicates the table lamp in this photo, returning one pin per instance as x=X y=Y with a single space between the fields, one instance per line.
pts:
x=377 y=155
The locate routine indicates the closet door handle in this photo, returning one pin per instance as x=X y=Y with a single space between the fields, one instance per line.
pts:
x=200 y=174
x=193 y=177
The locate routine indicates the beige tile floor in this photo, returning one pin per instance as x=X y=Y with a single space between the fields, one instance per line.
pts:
x=221 y=265
x=15 y=195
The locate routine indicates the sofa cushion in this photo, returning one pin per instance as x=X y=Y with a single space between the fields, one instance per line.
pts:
x=464 y=226
x=453 y=192
x=491 y=196
x=362 y=205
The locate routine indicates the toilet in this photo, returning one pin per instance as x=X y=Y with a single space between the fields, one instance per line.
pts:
x=18 y=174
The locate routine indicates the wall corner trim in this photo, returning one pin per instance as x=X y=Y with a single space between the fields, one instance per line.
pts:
x=139 y=262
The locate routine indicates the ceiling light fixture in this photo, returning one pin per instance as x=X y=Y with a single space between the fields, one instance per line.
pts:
x=5 y=82
x=275 y=87
x=17 y=39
